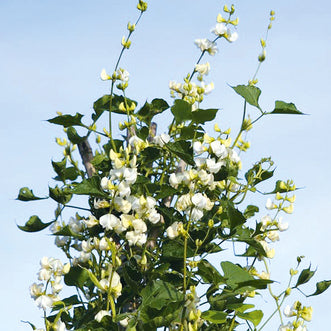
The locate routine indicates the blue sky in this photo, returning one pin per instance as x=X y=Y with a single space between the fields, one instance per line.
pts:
x=52 y=53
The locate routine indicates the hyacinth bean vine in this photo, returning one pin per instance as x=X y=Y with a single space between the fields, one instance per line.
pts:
x=159 y=205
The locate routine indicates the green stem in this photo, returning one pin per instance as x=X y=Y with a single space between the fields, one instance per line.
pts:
x=241 y=126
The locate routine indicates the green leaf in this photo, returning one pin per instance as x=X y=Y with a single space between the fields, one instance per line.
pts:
x=204 y=115
x=321 y=287
x=241 y=307
x=67 y=120
x=236 y=218
x=149 y=110
x=259 y=284
x=250 y=211
x=250 y=93
x=235 y=274
x=90 y=186
x=279 y=187
x=77 y=276
x=305 y=276
x=159 y=294
x=32 y=326
x=282 y=107
x=62 y=196
x=254 y=316
x=183 y=150
x=175 y=249
x=66 y=231
x=181 y=110
x=151 y=154
x=73 y=300
x=209 y=273
x=143 y=132
x=165 y=191
x=25 y=194
x=103 y=104
x=34 y=224
x=214 y=316
x=73 y=136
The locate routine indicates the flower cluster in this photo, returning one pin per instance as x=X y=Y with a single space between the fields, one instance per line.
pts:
x=302 y=313
x=50 y=273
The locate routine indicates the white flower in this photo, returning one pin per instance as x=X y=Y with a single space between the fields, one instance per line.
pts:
x=104 y=75
x=264 y=275
x=60 y=326
x=233 y=155
x=44 y=274
x=231 y=36
x=172 y=230
x=175 y=179
x=218 y=149
x=206 y=179
x=100 y=204
x=130 y=175
x=265 y=220
x=287 y=327
x=122 y=75
x=207 y=87
x=109 y=221
x=154 y=217
x=134 y=140
x=44 y=302
x=269 y=204
x=124 y=189
x=36 y=290
x=150 y=202
x=104 y=244
x=104 y=183
x=124 y=322
x=200 y=162
x=161 y=139
x=183 y=202
x=273 y=235
x=61 y=242
x=91 y=221
x=84 y=257
x=121 y=205
x=101 y=314
x=220 y=29
x=288 y=311
x=202 y=69
x=57 y=287
x=139 y=226
x=196 y=214
x=87 y=246
x=206 y=45
x=75 y=225
x=270 y=252
x=135 y=238
x=198 y=147
x=214 y=166
x=55 y=227
x=199 y=200
x=282 y=226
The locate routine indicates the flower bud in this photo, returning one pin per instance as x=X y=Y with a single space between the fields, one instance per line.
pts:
x=142 y=6
x=226 y=9
x=293 y=272
x=262 y=56
x=131 y=27
x=210 y=223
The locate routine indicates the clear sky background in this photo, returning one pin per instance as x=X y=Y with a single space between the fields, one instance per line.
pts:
x=52 y=53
